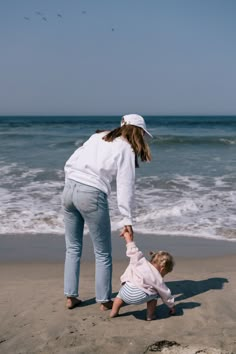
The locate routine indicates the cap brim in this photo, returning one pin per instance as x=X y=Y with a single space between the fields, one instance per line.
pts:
x=149 y=134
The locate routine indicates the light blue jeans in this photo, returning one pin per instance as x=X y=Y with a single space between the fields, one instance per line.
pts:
x=86 y=204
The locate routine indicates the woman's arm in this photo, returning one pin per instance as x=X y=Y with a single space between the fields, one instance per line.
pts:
x=125 y=181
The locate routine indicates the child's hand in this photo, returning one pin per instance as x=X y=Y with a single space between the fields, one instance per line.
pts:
x=129 y=229
x=172 y=311
x=127 y=235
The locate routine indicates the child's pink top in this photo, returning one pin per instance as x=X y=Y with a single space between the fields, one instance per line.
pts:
x=141 y=273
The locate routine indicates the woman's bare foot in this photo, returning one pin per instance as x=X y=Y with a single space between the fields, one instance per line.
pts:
x=151 y=318
x=106 y=305
x=72 y=302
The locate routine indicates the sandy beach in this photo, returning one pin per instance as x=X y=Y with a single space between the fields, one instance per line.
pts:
x=34 y=318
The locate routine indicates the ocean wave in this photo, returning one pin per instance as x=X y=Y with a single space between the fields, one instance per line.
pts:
x=191 y=121
x=186 y=206
x=181 y=121
x=192 y=140
x=64 y=142
x=194 y=205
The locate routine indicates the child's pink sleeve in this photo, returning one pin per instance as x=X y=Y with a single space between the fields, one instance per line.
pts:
x=166 y=296
x=133 y=252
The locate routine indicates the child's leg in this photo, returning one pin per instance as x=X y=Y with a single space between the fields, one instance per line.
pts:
x=151 y=307
x=117 y=303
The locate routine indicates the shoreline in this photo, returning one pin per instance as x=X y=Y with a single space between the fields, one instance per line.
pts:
x=51 y=248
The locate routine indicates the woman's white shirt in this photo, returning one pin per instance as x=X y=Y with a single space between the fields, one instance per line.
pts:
x=98 y=162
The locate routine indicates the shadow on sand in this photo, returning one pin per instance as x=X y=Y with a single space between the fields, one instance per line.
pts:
x=182 y=290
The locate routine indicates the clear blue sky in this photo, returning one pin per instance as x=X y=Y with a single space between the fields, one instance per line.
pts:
x=118 y=56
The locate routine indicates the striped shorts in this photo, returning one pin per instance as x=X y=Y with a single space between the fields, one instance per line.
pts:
x=132 y=295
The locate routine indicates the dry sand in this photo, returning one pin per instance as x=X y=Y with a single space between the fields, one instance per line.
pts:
x=34 y=318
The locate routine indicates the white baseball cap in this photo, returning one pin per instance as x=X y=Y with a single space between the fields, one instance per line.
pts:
x=136 y=120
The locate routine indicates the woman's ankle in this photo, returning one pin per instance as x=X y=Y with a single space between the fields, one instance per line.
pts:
x=151 y=316
x=104 y=306
x=72 y=302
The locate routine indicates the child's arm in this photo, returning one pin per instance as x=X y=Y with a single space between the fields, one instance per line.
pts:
x=132 y=250
x=167 y=297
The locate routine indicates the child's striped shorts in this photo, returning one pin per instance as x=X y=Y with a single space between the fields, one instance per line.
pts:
x=132 y=295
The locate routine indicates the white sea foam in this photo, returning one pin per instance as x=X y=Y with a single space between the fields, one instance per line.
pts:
x=190 y=206
x=79 y=142
x=181 y=205
x=7 y=169
x=228 y=141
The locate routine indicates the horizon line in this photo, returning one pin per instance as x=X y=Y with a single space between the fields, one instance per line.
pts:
x=117 y=115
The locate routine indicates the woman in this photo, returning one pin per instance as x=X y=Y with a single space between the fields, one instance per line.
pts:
x=89 y=172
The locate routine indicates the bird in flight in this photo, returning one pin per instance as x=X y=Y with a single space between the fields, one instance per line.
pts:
x=43 y=18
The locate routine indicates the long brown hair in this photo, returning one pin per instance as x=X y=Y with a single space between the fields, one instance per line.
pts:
x=135 y=137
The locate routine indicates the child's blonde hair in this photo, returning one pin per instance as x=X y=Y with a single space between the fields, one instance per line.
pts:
x=163 y=259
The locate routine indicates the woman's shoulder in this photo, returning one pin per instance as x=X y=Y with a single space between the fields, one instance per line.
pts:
x=123 y=144
x=98 y=135
x=103 y=132
x=119 y=144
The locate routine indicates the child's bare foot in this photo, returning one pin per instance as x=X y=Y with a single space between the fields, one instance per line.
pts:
x=114 y=313
x=116 y=307
x=106 y=305
x=72 y=302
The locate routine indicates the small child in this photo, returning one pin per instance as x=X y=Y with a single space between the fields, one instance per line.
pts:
x=142 y=280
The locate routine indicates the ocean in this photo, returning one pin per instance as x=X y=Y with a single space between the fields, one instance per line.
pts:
x=188 y=189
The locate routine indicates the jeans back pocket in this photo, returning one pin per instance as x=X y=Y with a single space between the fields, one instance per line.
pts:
x=87 y=201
